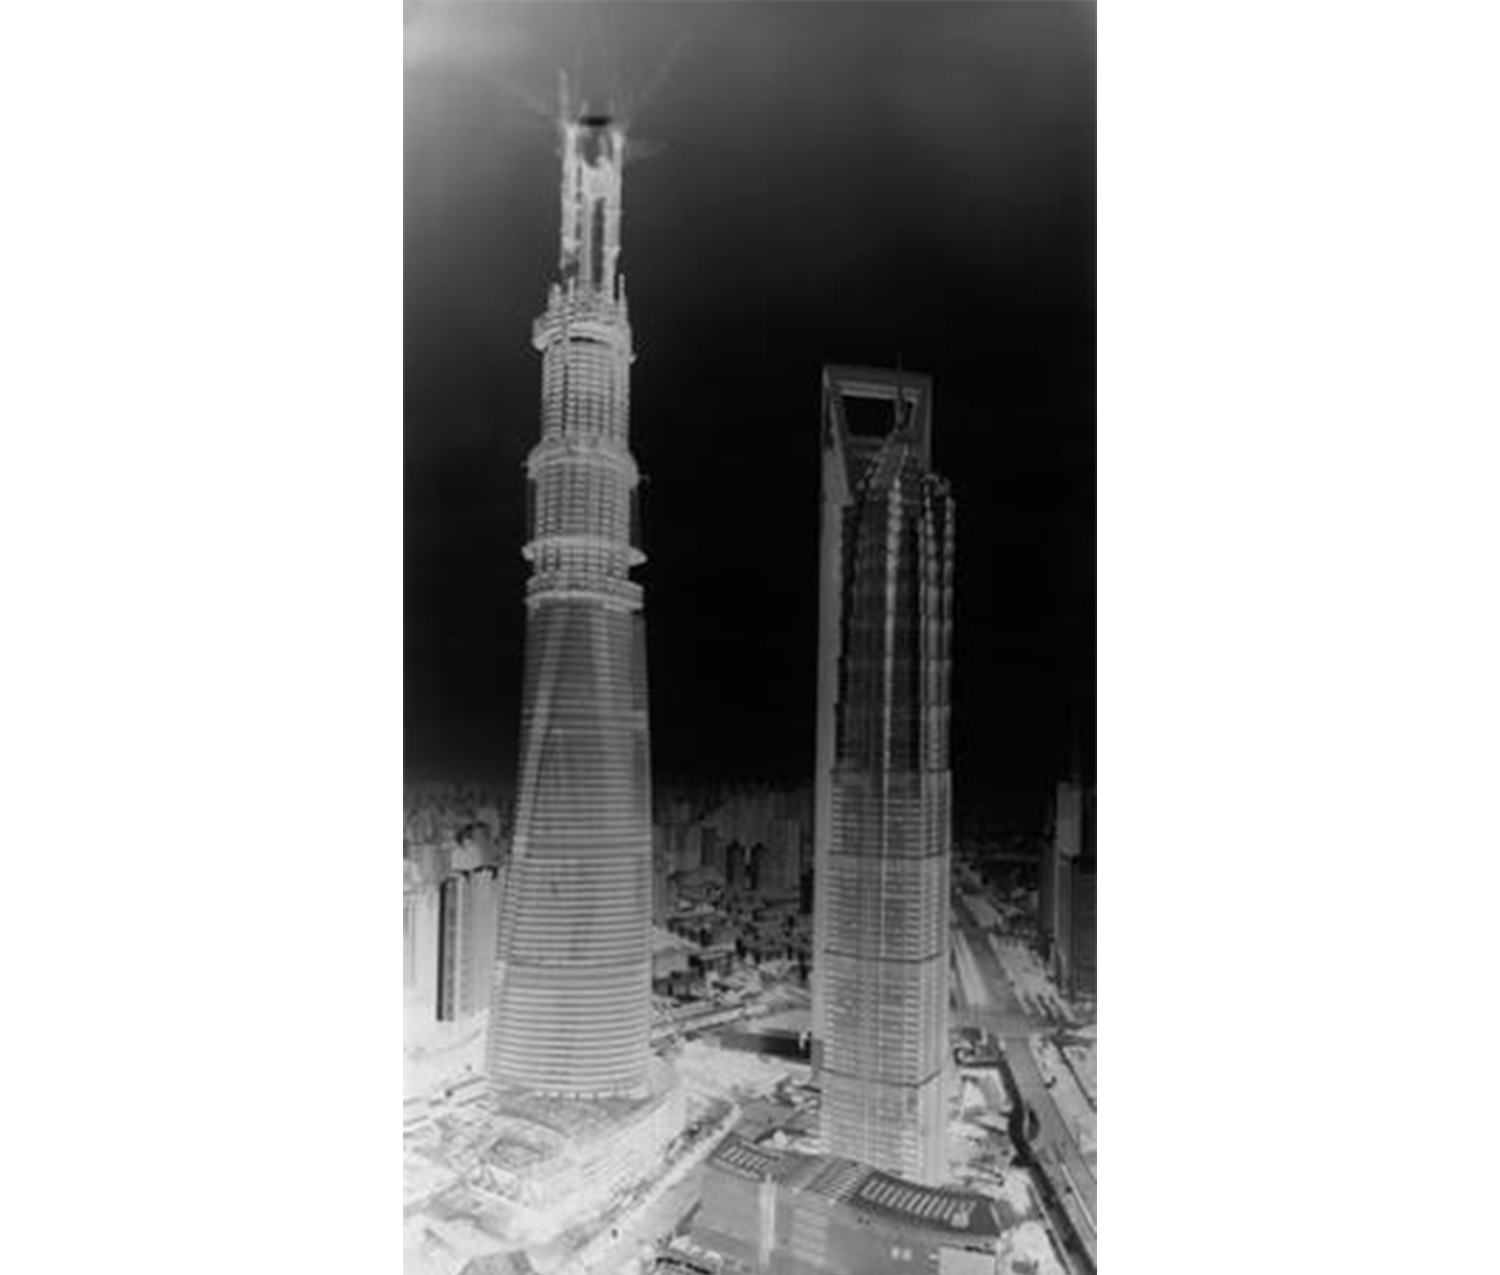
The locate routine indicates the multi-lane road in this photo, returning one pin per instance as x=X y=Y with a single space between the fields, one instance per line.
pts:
x=987 y=1000
x=656 y=1214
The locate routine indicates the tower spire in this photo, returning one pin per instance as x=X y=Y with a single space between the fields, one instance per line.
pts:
x=593 y=147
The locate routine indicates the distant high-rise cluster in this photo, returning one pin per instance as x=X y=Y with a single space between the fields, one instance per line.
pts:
x=752 y=840
x=449 y=948
x=571 y=1003
x=454 y=873
x=882 y=799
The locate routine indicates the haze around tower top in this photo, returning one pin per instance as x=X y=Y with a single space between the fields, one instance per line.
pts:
x=850 y=183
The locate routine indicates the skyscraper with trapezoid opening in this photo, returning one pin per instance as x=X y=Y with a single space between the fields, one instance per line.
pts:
x=882 y=819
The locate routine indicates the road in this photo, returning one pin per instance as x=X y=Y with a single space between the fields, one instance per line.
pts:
x=1054 y=1140
x=658 y=1219
x=998 y=1010
x=670 y=1198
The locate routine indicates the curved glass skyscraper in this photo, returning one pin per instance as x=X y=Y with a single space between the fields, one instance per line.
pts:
x=570 y=1009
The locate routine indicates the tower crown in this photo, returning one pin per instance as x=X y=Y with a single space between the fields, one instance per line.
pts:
x=593 y=161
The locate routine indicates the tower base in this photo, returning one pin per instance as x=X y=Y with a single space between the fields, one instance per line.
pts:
x=559 y=1162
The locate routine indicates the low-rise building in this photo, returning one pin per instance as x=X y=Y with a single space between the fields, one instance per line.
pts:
x=783 y=1212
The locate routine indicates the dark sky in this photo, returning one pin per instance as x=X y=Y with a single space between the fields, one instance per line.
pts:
x=840 y=183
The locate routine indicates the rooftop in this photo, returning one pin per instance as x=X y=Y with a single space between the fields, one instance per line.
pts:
x=951 y=1210
x=937 y=1208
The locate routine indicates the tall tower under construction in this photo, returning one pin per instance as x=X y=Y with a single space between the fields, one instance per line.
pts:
x=882 y=817
x=570 y=1007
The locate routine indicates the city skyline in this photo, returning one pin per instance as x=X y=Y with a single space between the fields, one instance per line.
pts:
x=1294 y=425
x=586 y=1114
x=817 y=221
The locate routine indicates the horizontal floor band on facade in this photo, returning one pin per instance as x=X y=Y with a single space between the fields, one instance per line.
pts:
x=539 y=984
x=581 y=585
x=593 y=873
x=599 y=746
x=548 y=860
x=607 y=451
x=848 y=1083
x=609 y=1046
x=586 y=925
x=535 y=600
x=603 y=962
x=547 y=791
x=605 y=1036
x=607 y=951
x=868 y=958
x=546 y=991
x=618 y=554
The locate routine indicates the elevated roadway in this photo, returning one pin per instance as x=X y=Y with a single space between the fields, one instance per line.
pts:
x=987 y=1000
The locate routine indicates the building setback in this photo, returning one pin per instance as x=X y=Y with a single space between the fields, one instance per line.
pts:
x=882 y=804
x=570 y=1009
